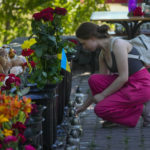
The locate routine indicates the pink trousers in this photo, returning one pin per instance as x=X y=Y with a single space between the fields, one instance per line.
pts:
x=126 y=105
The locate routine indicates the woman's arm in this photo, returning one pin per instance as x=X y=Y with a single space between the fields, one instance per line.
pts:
x=121 y=55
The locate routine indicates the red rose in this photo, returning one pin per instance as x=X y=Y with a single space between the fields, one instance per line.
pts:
x=34 y=109
x=23 y=139
x=12 y=75
x=20 y=126
x=17 y=81
x=47 y=16
x=10 y=80
x=27 y=52
x=8 y=87
x=60 y=11
x=32 y=63
x=37 y=16
x=138 y=12
x=25 y=64
x=73 y=41
x=47 y=10
x=0 y=145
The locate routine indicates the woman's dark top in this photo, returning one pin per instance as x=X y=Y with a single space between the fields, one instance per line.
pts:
x=134 y=64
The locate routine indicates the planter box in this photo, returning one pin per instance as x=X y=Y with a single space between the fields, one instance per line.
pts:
x=48 y=98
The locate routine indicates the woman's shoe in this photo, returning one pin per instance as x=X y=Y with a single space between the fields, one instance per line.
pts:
x=108 y=124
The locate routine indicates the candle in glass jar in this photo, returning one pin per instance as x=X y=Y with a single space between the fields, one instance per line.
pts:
x=132 y=5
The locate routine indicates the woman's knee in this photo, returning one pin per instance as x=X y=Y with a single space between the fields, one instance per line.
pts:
x=94 y=78
x=91 y=79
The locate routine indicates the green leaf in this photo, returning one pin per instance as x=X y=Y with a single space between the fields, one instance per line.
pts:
x=39 y=52
x=34 y=46
x=21 y=117
x=7 y=125
x=44 y=74
x=1 y=83
x=19 y=93
x=24 y=91
x=1 y=134
x=52 y=38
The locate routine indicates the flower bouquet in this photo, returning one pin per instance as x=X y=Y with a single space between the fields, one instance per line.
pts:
x=47 y=29
x=134 y=10
x=13 y=114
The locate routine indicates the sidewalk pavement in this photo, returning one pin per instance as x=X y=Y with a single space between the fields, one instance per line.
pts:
x=95 y=137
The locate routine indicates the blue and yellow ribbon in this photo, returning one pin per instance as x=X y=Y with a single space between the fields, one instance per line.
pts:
x=64 y=61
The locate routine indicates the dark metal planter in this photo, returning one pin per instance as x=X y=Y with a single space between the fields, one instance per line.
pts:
x=48 y=98
x=37 y=114
x=68 y=85
x=34 y=137
x=64 y=90
x=61 y=98
x=69 y=78
x=33 y=132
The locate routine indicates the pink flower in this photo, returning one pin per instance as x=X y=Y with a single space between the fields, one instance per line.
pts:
x=0 y=145
x=10 y=139
x=29 y=147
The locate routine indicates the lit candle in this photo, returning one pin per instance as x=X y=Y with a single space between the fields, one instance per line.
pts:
x=132 y=5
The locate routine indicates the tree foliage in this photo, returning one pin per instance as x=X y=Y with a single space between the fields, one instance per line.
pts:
x=16 y=15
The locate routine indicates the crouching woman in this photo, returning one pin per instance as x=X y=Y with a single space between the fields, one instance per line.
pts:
x=122 y=86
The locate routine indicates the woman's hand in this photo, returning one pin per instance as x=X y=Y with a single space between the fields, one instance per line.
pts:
x=98 y=97
x=80 y=109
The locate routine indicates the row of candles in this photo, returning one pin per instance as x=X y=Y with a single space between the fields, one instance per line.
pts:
x=70 y=130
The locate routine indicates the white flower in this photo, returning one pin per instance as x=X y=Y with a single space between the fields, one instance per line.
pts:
x=16 y=70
